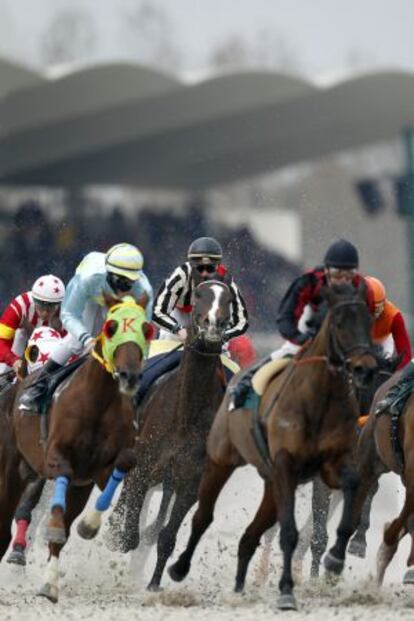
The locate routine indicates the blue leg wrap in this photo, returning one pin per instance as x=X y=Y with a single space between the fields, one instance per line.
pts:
x=104 y=500
x=59 y=494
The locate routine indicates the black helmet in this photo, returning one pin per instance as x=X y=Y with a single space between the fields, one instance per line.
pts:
x=342 y=254
x=205 y=247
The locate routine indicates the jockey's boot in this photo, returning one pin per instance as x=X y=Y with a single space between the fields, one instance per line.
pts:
x=398 y=394
x=31 y=397
x=240 y=391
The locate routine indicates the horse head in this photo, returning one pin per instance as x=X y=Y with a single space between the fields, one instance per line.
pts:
x=210 y=316
x=125 y=336
x=350 y=348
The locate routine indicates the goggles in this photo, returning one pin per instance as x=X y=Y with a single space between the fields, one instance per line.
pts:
x=338 y=273
x=45 y=305
x=120 y=283
x=208 y=269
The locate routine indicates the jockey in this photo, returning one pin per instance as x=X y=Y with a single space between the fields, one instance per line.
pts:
x=302 y=309
x=28 y=311
x=115 y=273
x=388 y=330
x=172 y=305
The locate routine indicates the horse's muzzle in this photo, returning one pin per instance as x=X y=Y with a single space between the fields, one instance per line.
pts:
x=363 y=370
x=128 y=381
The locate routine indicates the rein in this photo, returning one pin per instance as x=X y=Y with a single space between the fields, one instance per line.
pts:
x=109 y=368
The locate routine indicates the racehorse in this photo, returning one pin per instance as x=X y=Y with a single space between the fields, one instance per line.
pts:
x=323 y=503
x=305 y=423
x=387 y=445
x=175 y=419
x=90 y=435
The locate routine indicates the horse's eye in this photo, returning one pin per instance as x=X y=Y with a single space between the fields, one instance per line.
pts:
x=110 y=328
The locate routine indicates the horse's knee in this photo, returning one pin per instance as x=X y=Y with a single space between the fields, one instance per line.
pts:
x=126 y=460
x=350 y=480
x=289 y=536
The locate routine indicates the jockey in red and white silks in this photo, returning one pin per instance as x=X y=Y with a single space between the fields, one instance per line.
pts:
x=26 y=312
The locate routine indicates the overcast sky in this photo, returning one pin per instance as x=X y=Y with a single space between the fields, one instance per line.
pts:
x=325 y=36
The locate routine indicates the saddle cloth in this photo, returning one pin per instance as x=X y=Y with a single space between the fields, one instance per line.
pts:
x=267 y=372
x=158 y=347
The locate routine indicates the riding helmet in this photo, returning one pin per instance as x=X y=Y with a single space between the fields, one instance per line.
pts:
x=342 y=254
x=48 y=288
x=124 y=260
x=205 y=247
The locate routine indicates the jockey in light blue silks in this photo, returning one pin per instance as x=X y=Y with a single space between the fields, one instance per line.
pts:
x=115 y=273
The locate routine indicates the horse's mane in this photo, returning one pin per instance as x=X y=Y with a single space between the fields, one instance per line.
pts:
x=344 y=289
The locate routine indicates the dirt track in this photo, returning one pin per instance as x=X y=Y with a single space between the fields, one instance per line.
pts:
x=97 y=584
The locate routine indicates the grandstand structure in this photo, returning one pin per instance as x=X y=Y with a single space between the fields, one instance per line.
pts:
x=126 y=124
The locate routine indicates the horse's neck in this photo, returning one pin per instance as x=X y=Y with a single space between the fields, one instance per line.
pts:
x=197 y=374
x=101 y=384
x=330 y=383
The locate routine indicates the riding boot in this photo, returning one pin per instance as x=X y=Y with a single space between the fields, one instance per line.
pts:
x=240 y=391
x=397 y=395
x=31 y=398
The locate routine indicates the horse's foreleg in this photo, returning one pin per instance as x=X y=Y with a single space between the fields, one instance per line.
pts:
x=348 y=480
x=358 y=544
x=76 y=499
x=11 y=488
x=23 y=517
x=321 y=498
x=211 y=484
x=284 y=486
x=151 y=532
x=185 y=497
x=89 y=526
x=263 y=520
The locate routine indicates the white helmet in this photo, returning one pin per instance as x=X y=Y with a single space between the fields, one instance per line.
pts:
x=48 y=288
x=124 y=260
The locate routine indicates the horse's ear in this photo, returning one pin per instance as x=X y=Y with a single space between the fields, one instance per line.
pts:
x=363 y=290
x=110 y=327
x=148 y=331
x=328 y=294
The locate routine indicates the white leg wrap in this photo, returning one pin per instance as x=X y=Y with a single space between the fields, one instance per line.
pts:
x=52 y=571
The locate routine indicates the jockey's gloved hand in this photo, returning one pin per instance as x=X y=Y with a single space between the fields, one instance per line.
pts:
x=301 y=339
x=18 y=367
x=89 y=345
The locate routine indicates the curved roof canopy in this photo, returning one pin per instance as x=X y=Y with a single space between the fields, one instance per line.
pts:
x=128 y=124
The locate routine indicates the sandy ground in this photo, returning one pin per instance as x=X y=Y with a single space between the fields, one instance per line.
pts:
x=100 y=585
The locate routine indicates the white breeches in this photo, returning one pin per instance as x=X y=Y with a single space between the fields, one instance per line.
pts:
x=93 y=318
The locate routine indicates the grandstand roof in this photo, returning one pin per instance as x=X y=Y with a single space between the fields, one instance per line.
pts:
x=129 y=124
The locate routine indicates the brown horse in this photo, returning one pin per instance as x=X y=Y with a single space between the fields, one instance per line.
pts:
x=90 y=436
x=175 y=419
x=387 y=445
x=307 y=424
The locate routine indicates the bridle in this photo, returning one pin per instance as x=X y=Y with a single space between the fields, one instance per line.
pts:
x=199 y=332
x=339 y=358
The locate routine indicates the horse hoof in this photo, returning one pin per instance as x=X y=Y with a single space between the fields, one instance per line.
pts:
x=50 y=591
x=287 y=602
x=409 y=577
x=332 y=564
x=176 y=573
x=86 y=531
x=239 y=587
x=55 y=534
x=357 y=548
x=17 y=556
x=154 y=588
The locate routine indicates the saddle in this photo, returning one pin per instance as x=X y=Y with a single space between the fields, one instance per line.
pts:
x=56 y=378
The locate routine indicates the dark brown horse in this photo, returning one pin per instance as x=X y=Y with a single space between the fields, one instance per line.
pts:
x=90 y=437
x=175 y=420
x=307 y=421
x=387 y=445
